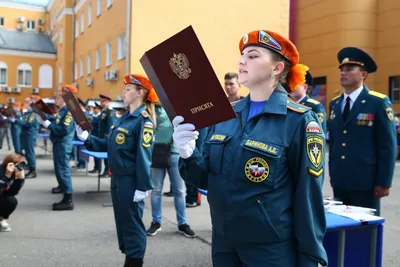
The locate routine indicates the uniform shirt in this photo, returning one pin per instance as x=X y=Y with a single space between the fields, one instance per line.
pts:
x=62 y=129
x=264 y=176
x=107 y=118
x=353 y=97
x=129 y=146
x=29 y=123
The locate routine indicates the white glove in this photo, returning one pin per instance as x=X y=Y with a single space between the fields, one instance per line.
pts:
x=82 y=135
x=45 y=123
x=12 y=119
x=184 y=137
x=140 y=195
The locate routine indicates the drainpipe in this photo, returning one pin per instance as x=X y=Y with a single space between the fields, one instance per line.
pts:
x=73 y=43
x=293 y=27
x=128 y=36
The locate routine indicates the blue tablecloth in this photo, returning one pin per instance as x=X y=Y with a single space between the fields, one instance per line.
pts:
x=77 y=143
x=97 y=155
x=43 y=135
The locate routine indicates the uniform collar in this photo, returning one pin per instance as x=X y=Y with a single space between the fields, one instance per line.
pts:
x=137 y=112
x=354 y=95
x=303 y=99
x=276 y=104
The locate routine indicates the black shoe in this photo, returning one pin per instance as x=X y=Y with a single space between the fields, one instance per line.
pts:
x=93 y=171
x=31 y=174
x=134 y=262
x=65 y=204
x=186 y=231
x=168 y=194
x=154 y=228
x=56 y=190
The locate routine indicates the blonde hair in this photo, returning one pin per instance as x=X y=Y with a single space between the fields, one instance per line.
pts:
x=283 y=76
x=150 y=107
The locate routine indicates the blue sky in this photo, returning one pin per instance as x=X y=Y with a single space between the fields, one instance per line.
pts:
x=33 y=2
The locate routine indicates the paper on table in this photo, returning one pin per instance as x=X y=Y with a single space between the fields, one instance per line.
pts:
x=362 y=217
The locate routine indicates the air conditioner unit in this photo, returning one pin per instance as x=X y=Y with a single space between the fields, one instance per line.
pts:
x=113 y=75
x=21 y=19
x=41 y=21
x=20 y=27
x=11 y=100
x=89 y=82
x=7 y=89
x=106 y=75
x=41 y=30
x=16 y=90
x=1 y=89
x=35 y=90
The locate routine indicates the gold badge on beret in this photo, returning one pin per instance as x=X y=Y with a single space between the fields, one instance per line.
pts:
x=245 y=39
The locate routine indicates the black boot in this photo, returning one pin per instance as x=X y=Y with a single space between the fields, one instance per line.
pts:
x=56 y=190
x=134 y=262
x=65 y=204
x=31 y=174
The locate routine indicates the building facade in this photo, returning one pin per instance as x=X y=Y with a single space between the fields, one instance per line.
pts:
x=324 y=27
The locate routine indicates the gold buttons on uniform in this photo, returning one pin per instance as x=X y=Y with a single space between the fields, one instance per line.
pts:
x=343 y=157
x=344 y=132
x=344 y=144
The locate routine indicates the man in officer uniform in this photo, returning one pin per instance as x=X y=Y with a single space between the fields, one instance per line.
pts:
x=107 y=118
x=361 y=135
x=95 y=132
x=300 y=96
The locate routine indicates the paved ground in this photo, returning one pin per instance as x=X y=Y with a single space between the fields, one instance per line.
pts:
x=86 y=236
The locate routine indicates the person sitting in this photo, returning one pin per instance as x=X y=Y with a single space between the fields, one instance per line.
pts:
x=12 y=177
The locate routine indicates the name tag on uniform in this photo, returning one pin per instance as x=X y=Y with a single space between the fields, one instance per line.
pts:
x=264 y=147
x=218 y=137
x=365 y=119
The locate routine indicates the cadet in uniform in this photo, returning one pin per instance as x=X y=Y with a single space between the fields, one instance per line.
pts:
x=300 y=96
x=30 y=129
x=62 y=131
x=95 y=132
x=16 y=127
x=107 y=118
x=361 y=135
x=129 y=145
x=263 y=170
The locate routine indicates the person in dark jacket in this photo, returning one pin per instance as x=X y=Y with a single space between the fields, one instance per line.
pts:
x=12 y=177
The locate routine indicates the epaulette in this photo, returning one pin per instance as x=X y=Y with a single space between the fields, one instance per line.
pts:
x=144 y=114
x=299 y=108
x=313 y=101
x=110 y=108
x=335 y=97
x=374 y=93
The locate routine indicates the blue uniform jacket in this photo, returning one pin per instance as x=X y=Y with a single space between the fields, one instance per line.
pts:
x=129 y=147
x=29 y=123
x=95 y=125
x=16 y=125
x=264 y=176
x=107 y=118
x=362 y=150
x=62 y=129
x=317 y=107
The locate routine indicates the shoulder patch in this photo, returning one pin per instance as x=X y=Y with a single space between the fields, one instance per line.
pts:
x=336 y=97
x=291 y=105
x=313 y=101
x=374 y=93
x=144 y=114
x=110 y=108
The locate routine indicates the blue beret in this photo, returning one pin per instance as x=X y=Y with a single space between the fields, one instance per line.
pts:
x=356 y=56
x=309 y=78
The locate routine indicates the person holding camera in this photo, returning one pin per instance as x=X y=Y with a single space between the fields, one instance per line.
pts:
x=12 y=177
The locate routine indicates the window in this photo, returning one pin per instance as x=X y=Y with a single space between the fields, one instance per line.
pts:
x=30 y=25
x=81 y=69
x=109 y=3
x=97 y=59
x=76 y=28
x=108 y=53
x=89 y=15
x=98 y=7
x=61 y=35
x=89 y=64
x=76 y=71
x=394 y=89
x=3 y=73
x=24 y=75
x=59 y=75
x=45 y=76
x=1 y=21
x=82 y=22
x=121 y=46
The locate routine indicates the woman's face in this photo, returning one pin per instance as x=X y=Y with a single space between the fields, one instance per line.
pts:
x=255 y=66
x=132 y=93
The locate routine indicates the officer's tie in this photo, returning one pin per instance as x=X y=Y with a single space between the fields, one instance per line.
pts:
x=346 y=109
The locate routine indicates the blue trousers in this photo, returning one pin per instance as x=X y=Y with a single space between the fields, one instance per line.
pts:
x=227 y=252
x=128 y=215
x=28 y=143
x=16 y=139
x=61 y=158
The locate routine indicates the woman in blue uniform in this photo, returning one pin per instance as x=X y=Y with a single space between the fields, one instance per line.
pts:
x=129 y=146
x=263 y=170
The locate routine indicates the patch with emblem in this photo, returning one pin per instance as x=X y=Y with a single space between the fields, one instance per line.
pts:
x=256 y=170
x=120 y=138
x=68 y=120
x=321 y=117
x=103 y=116
x=57 y=120
x=147 y=136
x=315 y=146
x=148 y=124
x=332 y=115
x=313 y=127
x=389 y=113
